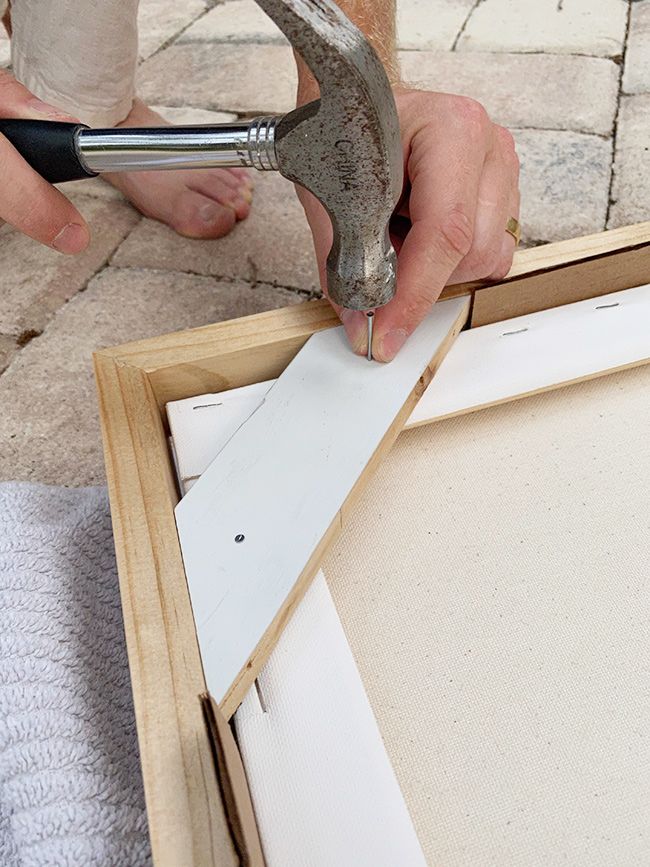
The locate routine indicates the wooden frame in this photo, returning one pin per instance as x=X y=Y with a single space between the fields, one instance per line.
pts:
x=187 y=820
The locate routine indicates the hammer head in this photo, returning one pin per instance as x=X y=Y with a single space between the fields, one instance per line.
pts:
x=344 y=148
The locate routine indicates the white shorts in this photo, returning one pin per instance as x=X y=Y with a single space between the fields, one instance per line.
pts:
x=79 y=56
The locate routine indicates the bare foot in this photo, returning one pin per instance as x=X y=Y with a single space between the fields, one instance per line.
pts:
x=197 y=203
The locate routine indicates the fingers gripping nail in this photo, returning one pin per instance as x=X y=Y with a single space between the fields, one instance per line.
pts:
x=356 y=328
x=389 y=344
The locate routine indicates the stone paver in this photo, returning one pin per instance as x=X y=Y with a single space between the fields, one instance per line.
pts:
x=272 y=246
x=636 y=77
x=160 y=20
x=8 y=348
x=430 y=23
x=233 y=21
x=420 y=24
x=48 y=425
x=94 y=188
x=538 y=90
x=36 y=280
x=564 y=184
x=595 y=27
x=544 y=91
x=631 y=189
x=226 y=78
x=541 y=67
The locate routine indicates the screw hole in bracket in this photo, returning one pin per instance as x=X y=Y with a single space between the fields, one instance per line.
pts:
x=239 y=538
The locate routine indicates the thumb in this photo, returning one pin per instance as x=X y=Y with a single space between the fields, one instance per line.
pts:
x=27 y=201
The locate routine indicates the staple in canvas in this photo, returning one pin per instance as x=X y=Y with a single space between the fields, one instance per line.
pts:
x=258 y=690
x=518 y=331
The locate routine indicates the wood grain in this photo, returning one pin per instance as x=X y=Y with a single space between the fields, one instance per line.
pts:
x=233 y=786
x=226 y=354
x=187 y=823
x=230 y=354
x=547 y=277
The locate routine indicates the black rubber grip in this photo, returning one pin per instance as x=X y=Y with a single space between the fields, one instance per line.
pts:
x=50 y=147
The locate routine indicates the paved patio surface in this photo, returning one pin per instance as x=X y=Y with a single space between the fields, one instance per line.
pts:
x=571 y=78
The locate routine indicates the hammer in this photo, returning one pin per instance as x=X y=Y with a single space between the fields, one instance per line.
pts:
x=344 y=148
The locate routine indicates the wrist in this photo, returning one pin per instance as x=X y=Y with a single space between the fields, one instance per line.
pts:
x=308 y=89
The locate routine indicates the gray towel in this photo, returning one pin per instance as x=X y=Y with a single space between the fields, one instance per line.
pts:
x=70 y=781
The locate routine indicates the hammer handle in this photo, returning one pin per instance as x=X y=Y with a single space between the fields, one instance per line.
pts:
x=51 y=148
x=70 y=151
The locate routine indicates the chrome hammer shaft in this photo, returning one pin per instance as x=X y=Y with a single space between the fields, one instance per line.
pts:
x=249 y=144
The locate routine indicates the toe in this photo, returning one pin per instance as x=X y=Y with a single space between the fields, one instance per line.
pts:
x=226 y=178
x=199 y=216
x=213 y=186
x=241 y=175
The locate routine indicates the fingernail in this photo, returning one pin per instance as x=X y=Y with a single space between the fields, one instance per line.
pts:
x=247 y=196
x=356 y=328
x=208 y=213
x=72 y=238
x=44 y=109
x=390 y=344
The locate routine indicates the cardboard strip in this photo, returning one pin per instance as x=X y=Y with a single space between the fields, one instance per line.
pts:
x=324 y=790
x=254 y=527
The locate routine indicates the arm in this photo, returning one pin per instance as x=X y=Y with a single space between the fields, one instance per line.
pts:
x=376 y=19
x=461 y=187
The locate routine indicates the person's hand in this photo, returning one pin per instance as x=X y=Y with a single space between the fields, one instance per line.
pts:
x=461 y=185
x=27 y=201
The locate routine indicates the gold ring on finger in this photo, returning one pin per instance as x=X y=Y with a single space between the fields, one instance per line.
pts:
x=513 y=228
